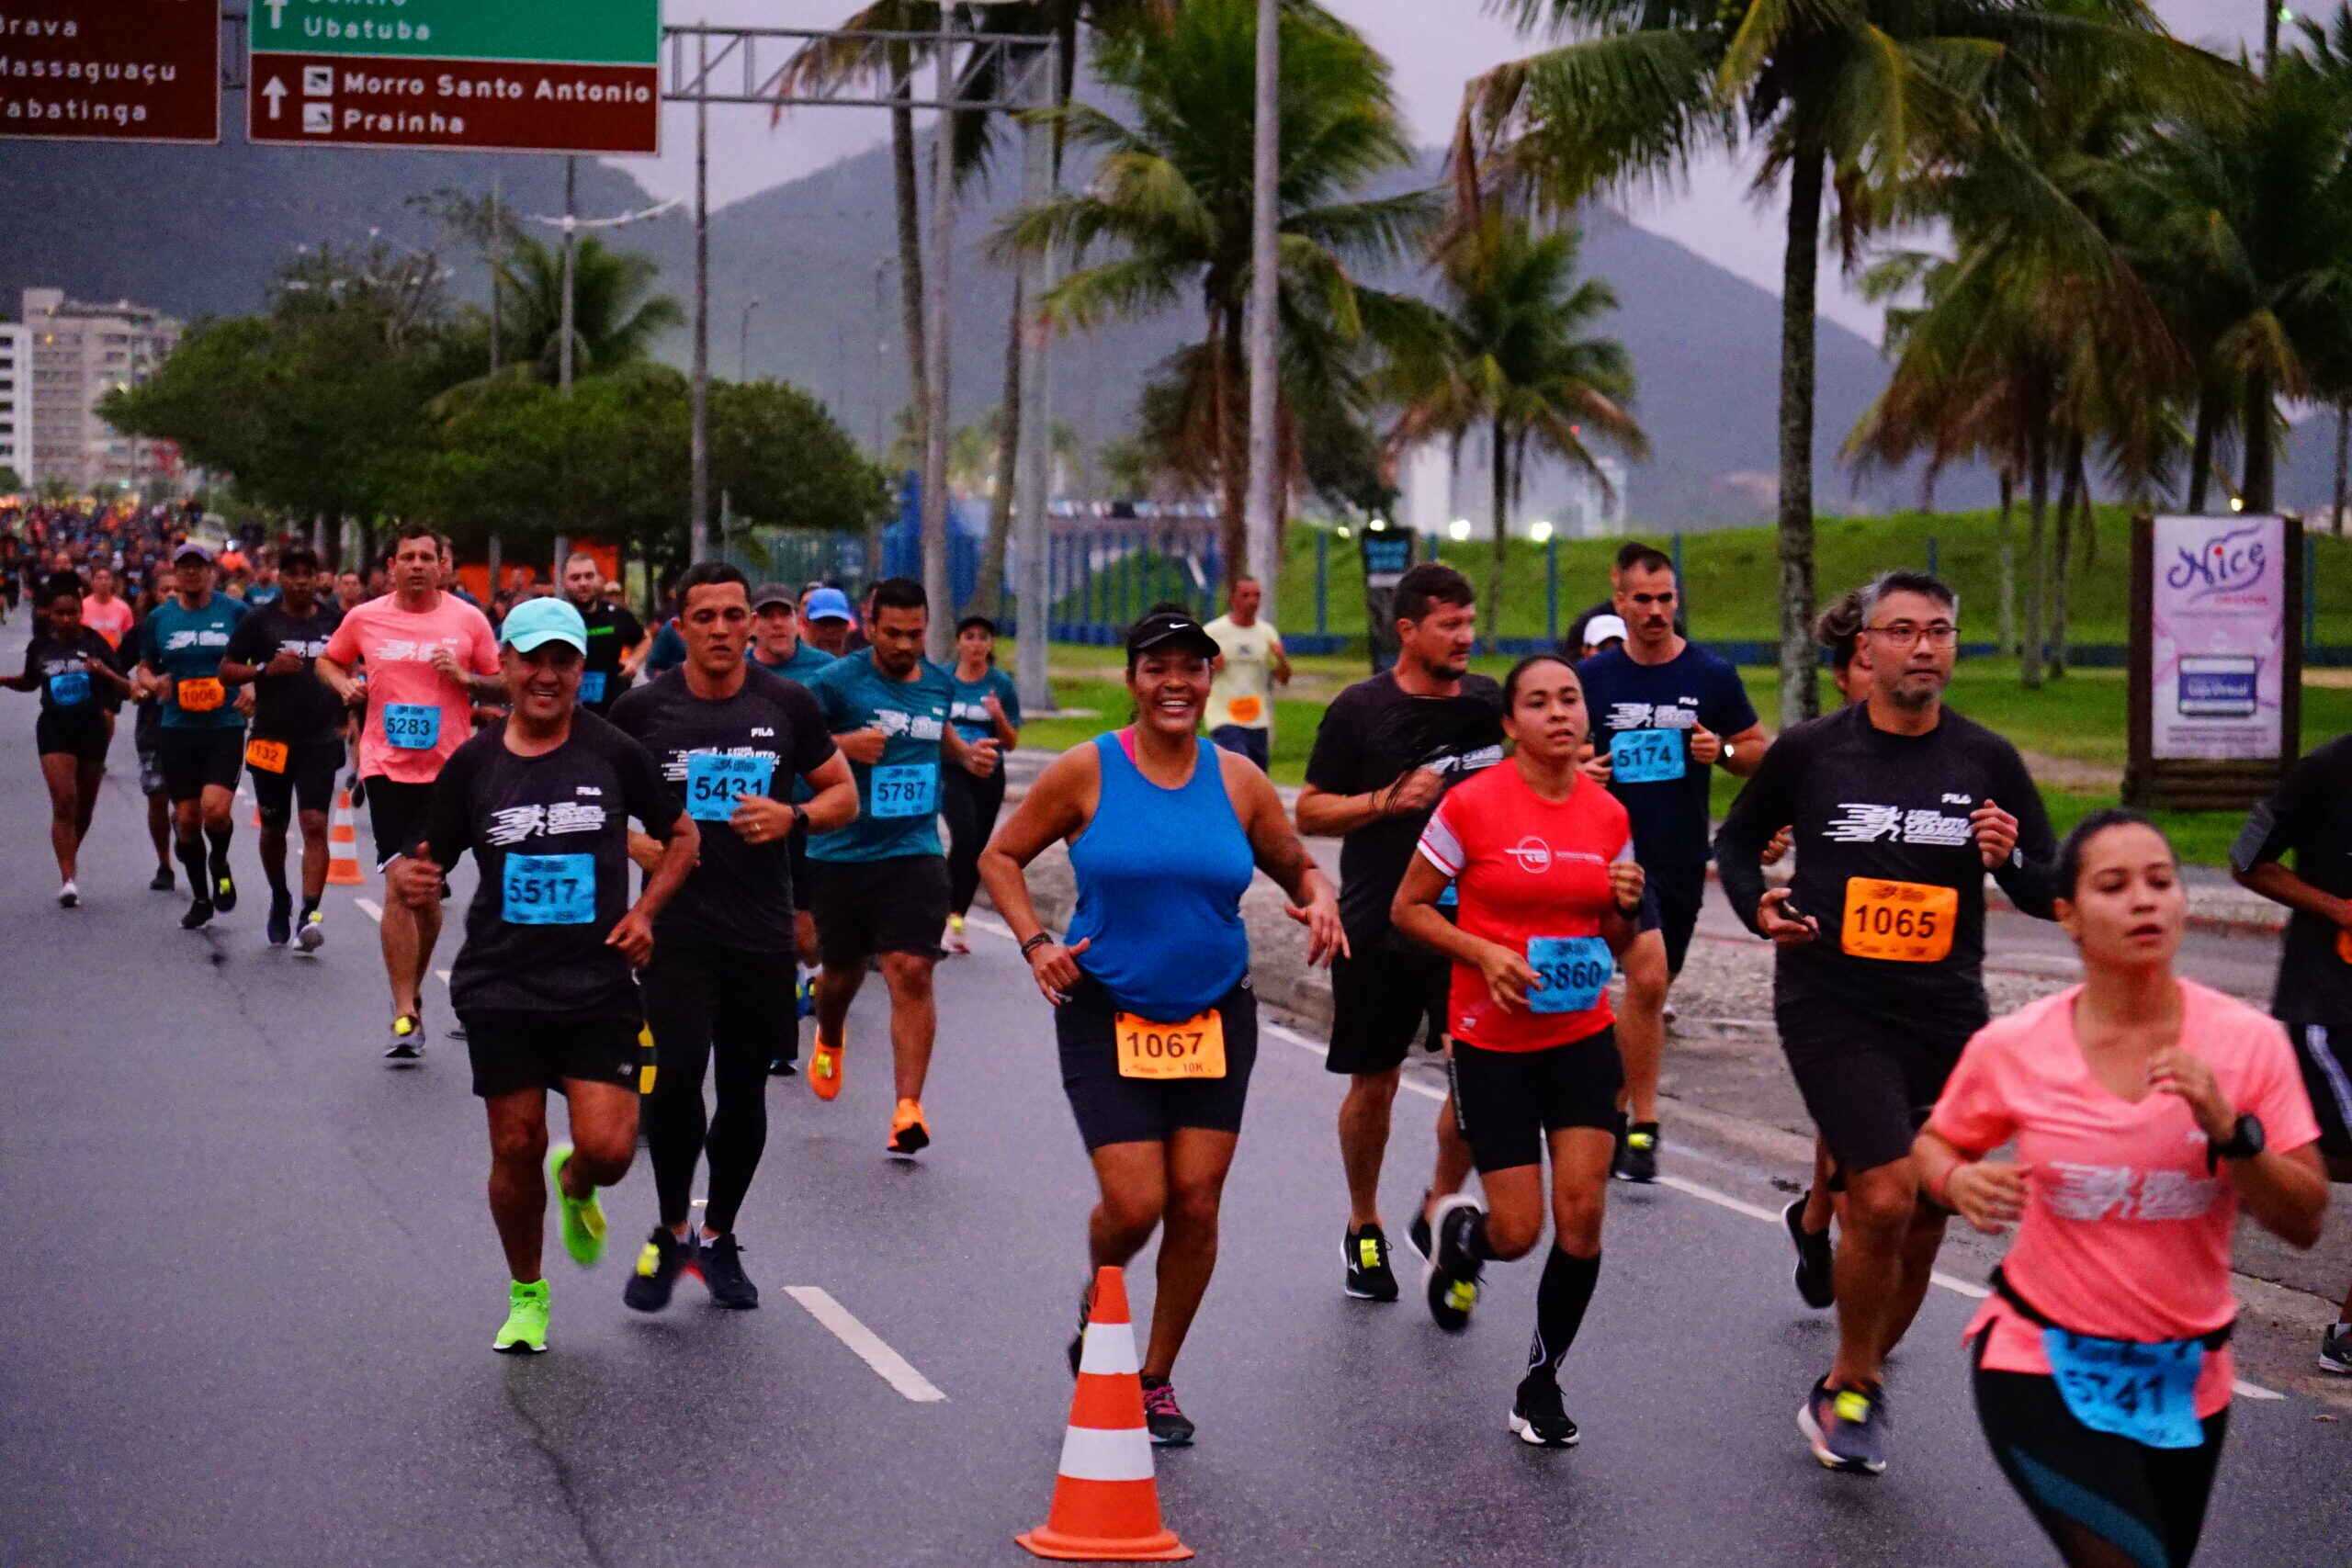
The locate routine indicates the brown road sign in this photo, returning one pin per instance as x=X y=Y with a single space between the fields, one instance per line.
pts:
x=329 y=100
x=111 y=70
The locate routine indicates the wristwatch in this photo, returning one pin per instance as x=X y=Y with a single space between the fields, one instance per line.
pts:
x=2247 y=1139
x=1729 y=751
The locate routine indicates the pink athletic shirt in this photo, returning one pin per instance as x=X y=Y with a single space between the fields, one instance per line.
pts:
x=397 y=646
x=2126 y=1235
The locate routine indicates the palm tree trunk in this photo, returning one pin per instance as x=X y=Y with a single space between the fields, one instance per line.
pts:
x=2201 y=452
x=2009 y=559
x=2261 y=488
x=1800 y=669
x=991 y=589
x=1232 y=446
x=2037 y=479
x=910 y=291
x=2343 y=460
x=1499 y=472
x=2071 y=494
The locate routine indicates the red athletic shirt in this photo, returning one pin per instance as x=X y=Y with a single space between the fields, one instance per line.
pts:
x=1532 y=875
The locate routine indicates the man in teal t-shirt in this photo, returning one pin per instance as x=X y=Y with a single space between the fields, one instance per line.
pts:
x=202 y=743
x=776 y=641
x=881 y=882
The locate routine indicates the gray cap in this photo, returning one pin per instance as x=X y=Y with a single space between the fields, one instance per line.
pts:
x=768 y=593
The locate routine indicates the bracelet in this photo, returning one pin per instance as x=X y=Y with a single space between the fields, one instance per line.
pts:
x=1939 y=1188
x=1034 y=942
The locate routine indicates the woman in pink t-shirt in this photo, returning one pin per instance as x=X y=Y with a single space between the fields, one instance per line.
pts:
x=2146 y=1111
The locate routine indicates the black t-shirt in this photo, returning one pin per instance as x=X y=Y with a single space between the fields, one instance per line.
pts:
x=67 y=687
x=1655 y=707
x=549 y=837
x=1881 y=821
x=1372 y=734
x=297 y=706
x=756 y=742
x=2312 y=816
x=612 y=631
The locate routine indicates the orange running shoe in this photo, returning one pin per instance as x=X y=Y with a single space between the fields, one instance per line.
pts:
x=909 y=1134
x=825 y=1069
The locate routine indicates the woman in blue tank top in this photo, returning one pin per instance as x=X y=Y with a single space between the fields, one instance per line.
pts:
x=1153 y=1006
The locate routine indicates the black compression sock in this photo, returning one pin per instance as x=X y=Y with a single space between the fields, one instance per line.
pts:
x=191 y=856
x=309 y=907
x=219 y=838
x=1560 y=1302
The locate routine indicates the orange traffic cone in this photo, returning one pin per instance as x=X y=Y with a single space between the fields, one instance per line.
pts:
x=343 y=844
x=1106 y=1505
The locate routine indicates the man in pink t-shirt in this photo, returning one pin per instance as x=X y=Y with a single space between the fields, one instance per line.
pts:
x=427 y=654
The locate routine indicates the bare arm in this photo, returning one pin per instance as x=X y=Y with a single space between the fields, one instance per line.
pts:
x=1280 y=855
x=337 y=676
x=834 y=807
x=1413 y=911
x=1056 y=807
x=1744 y=751
x=2274 y=882
x=1323 y=815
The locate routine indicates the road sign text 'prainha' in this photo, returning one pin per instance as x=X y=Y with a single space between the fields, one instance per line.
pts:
x=521 y=75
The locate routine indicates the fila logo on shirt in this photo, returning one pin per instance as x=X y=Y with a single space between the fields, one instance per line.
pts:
x=761 y=732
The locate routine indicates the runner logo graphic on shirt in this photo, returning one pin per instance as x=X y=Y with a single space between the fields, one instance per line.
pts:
x=915 y=727
x=1651 y=715
x=2096 y=1191
x=1533 y=853
x=516 y=823
x=1862 y=824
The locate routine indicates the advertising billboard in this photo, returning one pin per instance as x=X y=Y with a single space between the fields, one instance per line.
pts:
x=2218 y=629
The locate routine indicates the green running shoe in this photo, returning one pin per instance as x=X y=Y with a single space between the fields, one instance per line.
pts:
x=583 y=1218
x=525 y=1328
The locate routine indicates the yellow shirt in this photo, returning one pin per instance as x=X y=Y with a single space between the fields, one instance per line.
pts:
x=1242 y=692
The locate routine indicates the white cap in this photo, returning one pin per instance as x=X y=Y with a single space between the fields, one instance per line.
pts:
x=1600 y=628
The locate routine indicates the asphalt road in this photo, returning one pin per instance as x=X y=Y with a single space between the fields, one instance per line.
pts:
x=256 y=1282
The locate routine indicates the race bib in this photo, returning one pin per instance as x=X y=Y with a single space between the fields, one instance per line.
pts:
x=592 y=686
x=202 y=695
x=2344 y=945
x=1904 y=922
x=269 y=756
x=2146 y=1392
x=69 y=688
x=906 y=789
x=1244 y=710
x=715 y=782
x=1193 y=1049
x=1574 y=971
x=413 y=727
x=1646 y=756
x=551 y=890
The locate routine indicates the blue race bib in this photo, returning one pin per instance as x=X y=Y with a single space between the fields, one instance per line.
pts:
x=592 y=686
x=2146 y=1392
x=715 y=782
x=413 y=727
x=69 y=688
x=908 y=789
x=1576 y=969
x=549 y=890
x=1646 y=756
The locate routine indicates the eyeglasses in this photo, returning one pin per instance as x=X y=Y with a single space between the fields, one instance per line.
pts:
x=1903 y=633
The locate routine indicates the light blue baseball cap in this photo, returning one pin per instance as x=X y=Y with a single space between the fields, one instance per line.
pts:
x=536 y=622
x=826 y=605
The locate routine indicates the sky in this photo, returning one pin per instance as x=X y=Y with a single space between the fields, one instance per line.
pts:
x=1434 y=46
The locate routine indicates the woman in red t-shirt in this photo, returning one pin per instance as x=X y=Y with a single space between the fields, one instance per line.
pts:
x=1543 y=862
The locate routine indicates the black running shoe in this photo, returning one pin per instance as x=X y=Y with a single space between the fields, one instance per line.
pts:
x=199 y=914
x=224 y=888
x=1817 y=1260
x=1450 y=1278
x=722 y=1264
x=162 y=881
x=279 y=929
x=1162 y=1418
x=1418 y=1231
x=1846 y=1430
x=658 y=1263
x=1537 y=1418
x=782 y=1067
x=1370 y=1278
x=1617 y=1156
x=1078 y=1340
x=1639 y=1160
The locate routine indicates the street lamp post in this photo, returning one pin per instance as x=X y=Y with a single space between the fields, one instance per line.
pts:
x=1262 y=521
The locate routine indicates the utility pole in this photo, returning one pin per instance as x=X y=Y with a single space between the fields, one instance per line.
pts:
x=563 y=348
x=743 y=352
x=497 y=254
x=1263 y=517
x=1032 y=486
x=699 y=529
x=935 y=584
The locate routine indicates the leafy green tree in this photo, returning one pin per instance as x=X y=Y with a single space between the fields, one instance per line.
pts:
x=785 y=463
x=11 y=482
x=616 y=317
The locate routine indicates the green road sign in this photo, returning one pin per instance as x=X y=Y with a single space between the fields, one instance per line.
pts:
x=589 y=32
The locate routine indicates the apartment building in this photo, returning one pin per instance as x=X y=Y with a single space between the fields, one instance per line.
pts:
x=78 y=353
x=16 y=404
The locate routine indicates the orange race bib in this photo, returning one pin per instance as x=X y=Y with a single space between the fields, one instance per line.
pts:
x=200 y=696
x=269 y=756
x=1193 y=1049
x=1244 y=710
x=2344 y=945
x=1904 y=922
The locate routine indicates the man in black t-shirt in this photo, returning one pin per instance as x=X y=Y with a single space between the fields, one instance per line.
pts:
x=543 y=982
x=295 y=747
x=730 y=739
x=615 y=640
x=2310 y=818
x=1898 y=807
x=1388 y=749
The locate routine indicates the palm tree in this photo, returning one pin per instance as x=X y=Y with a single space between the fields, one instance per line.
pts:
x=615 y=315
x=1511 y=358
x=1174 y=191
x=1850 y=99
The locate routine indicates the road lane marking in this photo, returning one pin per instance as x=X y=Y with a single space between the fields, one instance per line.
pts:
x=867 y=1344
x=370 y=908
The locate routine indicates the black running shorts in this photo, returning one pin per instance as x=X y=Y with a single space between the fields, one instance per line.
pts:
x=396 y=815
x=82 y=736
x=1675 y=892
x=306 y=782
x=1505 y=1102
x=197 y=759
x=1389 y=994
x=2324 y=1053
x=1869 y=1082
x=1114 y=1110
x=865 y=908
x=511 y=1053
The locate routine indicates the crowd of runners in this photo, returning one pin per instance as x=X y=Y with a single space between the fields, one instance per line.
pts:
x=668 y=826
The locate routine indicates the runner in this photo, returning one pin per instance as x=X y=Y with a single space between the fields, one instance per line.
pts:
x=104 y=610
x=1387 y=751
x=201 y=743
x=987 y=707
x=725 y=736
x=2146 y=1111
x=543 y=977
x=1542 y=859
x=297 y=746
x=1242 y=702
x=350 y=591
x=778 y=647
x=2310 y=818
x=147 y=739
x=1899 y=807
x=824 y=620
x=72 y=667
x=776 y=642
x=427 y=656
x=1665 y=714
x=881 y=889
x=617 y=643
x=1153 y=1010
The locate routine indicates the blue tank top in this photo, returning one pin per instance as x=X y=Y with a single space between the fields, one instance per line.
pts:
x=1161 y=875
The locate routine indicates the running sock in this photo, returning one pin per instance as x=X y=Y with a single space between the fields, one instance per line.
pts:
x=191 y=857
x=1560 y=1302
x=310 y=908
x=219 y=838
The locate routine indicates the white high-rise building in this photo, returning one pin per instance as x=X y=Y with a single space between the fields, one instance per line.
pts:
x=16 y=400
x=79 y=354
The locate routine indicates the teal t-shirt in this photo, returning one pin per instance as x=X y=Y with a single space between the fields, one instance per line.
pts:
x=897 y=798
x=187 y=645
x=806 y=660
x=969 y=717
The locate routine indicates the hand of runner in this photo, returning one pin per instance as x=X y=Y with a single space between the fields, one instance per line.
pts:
x=1777 y=849
x=415 y=881
x=1325 y=938
x=634 y=937
x=286 y=662
x=863 y=746
x=758 y=820
x=980 y=759
x=1996 y=833
x=1774 y=919
x=447 y=663
x=1988 y=1194
x=243 y=701
x=1706 y=746
x=1599 y=767
x=1508 y=977
x=2182 y=1072
x=1626 y=880
x=1415 y=791
x=1055 y=968
x=994 y=708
